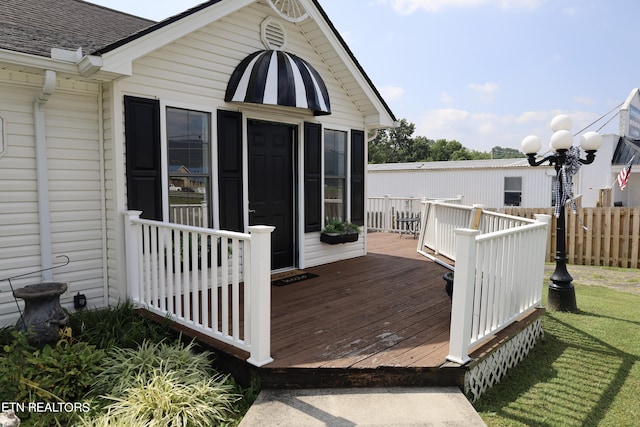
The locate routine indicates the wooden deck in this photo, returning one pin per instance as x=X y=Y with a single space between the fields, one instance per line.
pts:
x=386 y=309
x=378 y=320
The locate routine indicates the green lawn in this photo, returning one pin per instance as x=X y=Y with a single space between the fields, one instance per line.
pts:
x=584 y=373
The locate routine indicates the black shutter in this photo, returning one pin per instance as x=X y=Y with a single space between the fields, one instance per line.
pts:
x=142 y=135
x=230 y=170
x=312 y=177
x=357 y=176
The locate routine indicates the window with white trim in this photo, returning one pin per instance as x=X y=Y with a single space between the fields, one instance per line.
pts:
x=189 y=154
x=335 y=174
x=512 y=190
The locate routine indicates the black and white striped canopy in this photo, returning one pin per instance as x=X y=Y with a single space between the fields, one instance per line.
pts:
x=276 y=77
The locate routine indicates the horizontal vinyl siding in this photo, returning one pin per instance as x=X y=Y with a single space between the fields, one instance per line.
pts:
x=319 y=253
x=195 y=70
x=19 y=242
x=75 y=190
x=71 y=116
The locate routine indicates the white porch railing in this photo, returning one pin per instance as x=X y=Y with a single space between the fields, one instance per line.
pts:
x=195 y=215
x=215 y=282
x=443 y=218
x=499 y=267
x=383 y=212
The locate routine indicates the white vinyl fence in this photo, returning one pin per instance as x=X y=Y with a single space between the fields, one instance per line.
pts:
x=499 y=268
x=215 y=282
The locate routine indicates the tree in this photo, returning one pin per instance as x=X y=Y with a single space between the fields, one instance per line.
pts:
x=397 y=145
x=393 y=145
x=442 y=150
x=498 y=152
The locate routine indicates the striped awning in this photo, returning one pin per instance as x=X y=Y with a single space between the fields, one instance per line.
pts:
x=276 y=77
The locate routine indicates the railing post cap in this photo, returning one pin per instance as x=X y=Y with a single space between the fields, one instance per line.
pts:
x=261 y=229
x=132 y=213
x=466 y=231
x=542 y=217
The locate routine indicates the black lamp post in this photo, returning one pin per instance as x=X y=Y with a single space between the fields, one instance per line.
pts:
x=565 y=159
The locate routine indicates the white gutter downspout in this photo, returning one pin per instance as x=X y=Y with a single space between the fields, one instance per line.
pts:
x=42 y=173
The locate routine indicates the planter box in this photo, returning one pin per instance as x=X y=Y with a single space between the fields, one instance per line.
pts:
x=334 y=239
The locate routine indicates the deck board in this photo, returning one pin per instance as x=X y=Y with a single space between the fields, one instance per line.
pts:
x=365 y=312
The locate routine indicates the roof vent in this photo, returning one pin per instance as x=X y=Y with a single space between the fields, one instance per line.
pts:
x=273 y=35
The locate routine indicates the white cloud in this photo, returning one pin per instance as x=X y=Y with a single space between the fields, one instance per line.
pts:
x=444 y=123
x=407 y=7
x=486 y=90
x=446 y=99
x=391 y=92
x=482 y=131
x=532 y=117
x=584 y=100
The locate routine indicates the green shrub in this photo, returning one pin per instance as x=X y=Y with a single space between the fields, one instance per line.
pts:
x=62 y=372
x=15 y=352
x=118 y=326
x=59 y=373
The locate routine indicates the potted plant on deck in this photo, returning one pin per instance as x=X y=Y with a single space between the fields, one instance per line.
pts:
x=338 y=231
x=448 y=286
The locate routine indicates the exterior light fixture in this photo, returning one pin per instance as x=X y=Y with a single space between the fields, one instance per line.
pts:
x=566 y=161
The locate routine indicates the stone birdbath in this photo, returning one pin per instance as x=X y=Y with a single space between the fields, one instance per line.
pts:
x=43 y=317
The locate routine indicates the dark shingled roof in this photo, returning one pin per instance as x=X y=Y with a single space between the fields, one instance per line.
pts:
x=36 y=26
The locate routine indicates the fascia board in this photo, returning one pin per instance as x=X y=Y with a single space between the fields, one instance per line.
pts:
x=120 y=60
x=35 y=62
x=384 y=117
x=377 y=121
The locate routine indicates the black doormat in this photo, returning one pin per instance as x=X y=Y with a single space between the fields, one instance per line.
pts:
x=293 y=279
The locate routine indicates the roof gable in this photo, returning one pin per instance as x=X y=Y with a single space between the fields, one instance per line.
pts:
x=36 y=26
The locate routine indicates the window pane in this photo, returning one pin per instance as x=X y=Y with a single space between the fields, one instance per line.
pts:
x=335 y=148
x=512 y=198
x=189 y=173
x=334 y=153
x=334 y=195
x=513 y=183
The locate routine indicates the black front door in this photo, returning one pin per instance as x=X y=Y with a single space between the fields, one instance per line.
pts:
x=271 y=186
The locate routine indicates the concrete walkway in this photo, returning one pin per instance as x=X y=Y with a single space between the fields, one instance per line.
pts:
x=430 y=406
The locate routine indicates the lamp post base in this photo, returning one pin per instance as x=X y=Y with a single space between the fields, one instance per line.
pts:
x=562 y=298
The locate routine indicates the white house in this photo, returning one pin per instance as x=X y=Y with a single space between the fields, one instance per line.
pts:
x=256 y=110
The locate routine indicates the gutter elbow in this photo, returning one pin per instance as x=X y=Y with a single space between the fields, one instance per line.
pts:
x=48 y=87
x=89 y=65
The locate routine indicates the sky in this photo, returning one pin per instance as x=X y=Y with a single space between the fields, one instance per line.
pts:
x=483 y=72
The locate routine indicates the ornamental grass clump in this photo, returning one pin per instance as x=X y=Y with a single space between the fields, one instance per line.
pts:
x=167 y=399
x=161 y=384
x=122 y=366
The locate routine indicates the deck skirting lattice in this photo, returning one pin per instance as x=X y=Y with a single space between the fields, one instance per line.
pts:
x=490 y=369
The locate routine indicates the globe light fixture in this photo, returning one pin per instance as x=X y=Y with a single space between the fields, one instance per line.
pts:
x=566 y=160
